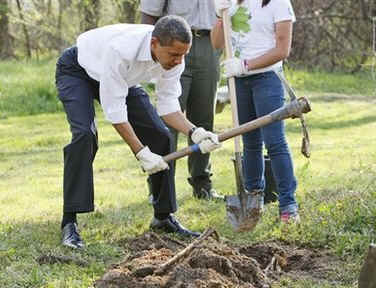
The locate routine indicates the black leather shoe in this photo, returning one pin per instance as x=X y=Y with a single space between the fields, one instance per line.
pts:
x=171 y=225
x=70 y=236
x=202 y=189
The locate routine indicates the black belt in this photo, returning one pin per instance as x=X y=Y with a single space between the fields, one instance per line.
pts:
x=200 y=33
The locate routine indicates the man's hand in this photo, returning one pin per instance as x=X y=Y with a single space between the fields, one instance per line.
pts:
x=234 y=67
x=206 y=140
x=208 y=145
x=221 y=5
x=200 y=134
x=150 y=162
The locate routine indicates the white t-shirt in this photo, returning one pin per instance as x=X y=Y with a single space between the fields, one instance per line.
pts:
x=253 y=28
x=119 y=57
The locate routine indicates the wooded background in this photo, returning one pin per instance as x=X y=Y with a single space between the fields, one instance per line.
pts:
x=328 y=34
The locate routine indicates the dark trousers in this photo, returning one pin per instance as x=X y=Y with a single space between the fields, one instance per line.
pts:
x=77 y=91
x=199 y=87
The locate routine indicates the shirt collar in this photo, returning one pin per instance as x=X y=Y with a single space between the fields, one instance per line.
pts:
x=145 y=51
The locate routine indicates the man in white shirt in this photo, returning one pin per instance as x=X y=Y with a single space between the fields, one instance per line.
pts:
x=107 y=64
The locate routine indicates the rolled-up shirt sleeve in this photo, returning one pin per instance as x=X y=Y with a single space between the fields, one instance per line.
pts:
x=152 y=7
x=113 y=88
x=284 y=12
x=168 y=90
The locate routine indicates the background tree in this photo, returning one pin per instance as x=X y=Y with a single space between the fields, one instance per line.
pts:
x=90 y=11
x=6 y=49
x=330 y=35
x=335 y=34
x=128 y=10
x=24 y=28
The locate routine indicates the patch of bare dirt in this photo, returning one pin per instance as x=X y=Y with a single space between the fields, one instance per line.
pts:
x=160 y=261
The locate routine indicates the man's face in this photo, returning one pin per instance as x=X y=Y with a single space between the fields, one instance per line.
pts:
x=171 y=55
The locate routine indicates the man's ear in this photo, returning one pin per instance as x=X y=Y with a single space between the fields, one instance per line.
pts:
x=154 y=42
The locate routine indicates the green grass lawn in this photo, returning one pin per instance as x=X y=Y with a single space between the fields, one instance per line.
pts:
x=336 y=191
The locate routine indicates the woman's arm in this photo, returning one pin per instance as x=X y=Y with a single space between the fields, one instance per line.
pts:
x=281 y=51
x=216 y=35
x=148 y=19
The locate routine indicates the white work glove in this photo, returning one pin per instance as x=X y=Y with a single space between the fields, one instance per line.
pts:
x=234 y=67
x=150 y=162
x=207 y=141
x=221 y=5
x=209 y=145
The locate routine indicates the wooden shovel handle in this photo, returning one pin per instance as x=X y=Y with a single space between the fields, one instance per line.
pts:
x=291 y=110
x=231 y=81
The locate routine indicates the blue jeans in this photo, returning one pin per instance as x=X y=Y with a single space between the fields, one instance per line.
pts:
x=258 y=95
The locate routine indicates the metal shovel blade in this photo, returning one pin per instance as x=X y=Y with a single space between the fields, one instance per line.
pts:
x=244 y=212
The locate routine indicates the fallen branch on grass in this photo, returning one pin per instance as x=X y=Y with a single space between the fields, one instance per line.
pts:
x=209 y=232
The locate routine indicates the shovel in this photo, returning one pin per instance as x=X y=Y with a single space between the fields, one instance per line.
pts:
x=243 y=210
x=292 y=109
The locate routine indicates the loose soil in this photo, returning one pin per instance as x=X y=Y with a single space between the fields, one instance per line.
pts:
x=213 y=264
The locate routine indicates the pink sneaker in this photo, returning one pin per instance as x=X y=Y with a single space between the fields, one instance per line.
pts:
x=288 y=218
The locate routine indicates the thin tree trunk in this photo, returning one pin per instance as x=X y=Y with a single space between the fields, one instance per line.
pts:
x=90 y=11
x=129 y=11
x=59 y=25
x=6 y=48
x=49 y=8
x=26 y=33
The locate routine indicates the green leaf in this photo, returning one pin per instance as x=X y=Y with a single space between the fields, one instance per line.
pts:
x=240 y=20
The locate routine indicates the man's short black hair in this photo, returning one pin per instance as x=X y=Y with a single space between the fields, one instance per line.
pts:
x=170 y=28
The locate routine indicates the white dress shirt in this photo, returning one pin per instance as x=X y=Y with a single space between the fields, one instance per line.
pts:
x=119 y=57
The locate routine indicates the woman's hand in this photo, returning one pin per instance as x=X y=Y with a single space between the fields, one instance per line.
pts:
x=221 y=5
x=234 y=67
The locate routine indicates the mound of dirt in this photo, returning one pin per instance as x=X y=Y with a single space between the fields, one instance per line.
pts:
x=160 y=261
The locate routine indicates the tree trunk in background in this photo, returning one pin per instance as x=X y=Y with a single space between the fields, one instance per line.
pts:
x=49 y=8
x=26 y=33
x=90 y=14
x=6 y=49
x=60 y=40
x=334 y=35
x=129 y=11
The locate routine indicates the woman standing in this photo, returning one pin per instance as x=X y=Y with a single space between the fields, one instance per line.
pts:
x=261 y=36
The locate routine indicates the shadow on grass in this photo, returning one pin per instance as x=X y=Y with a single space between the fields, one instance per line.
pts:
x=34 y=150
x=325 y=125
x=31 y=152
x=37 y=242
x=334 y=97
x=103 y=226
x=34 y=245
